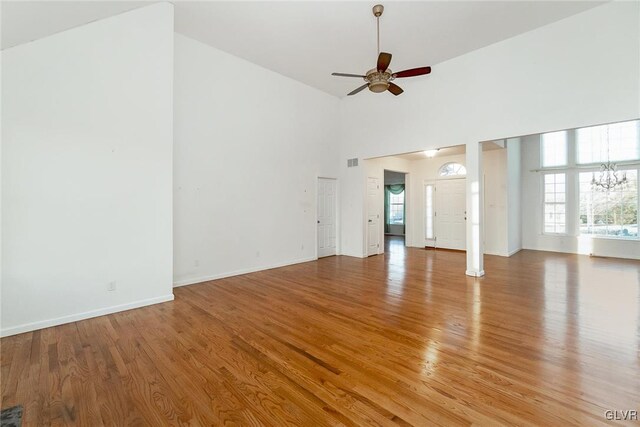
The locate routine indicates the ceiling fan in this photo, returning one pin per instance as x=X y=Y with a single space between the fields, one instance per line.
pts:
x=380 y=78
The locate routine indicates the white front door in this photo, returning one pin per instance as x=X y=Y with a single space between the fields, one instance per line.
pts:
x=451 y=214
x=373 y=217
x=326 y=217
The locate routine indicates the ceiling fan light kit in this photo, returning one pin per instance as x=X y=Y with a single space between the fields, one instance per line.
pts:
x=380 y=78
x=378 y=81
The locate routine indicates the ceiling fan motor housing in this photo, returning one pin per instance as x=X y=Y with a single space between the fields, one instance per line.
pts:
x=378 y=80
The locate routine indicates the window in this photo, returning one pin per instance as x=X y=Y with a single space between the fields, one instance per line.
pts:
x=615 y=142
x=396 y=208
x=554 y=149
x=429 y=211
x=554 y=203
x=452 y=169
x=612 y=213
x=570 y=160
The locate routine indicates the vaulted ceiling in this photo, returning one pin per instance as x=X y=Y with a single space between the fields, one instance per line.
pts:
x=308 y=40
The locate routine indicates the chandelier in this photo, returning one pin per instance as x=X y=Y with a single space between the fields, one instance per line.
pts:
x=609 y=177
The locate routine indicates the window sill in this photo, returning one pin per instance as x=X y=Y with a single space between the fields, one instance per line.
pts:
x=589 y=236
x=623 y=239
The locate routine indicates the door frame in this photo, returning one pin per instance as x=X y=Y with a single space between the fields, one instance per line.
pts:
x=337 y=217
x=408 y=227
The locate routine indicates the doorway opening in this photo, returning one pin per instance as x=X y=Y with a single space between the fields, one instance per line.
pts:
x=395 y=208
x=420 y=199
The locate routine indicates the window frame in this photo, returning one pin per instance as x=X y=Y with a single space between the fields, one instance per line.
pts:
x=403 y=204
x=429 y=209
x=621 y=163
x=456 y=176
x=572 y=171
x=567 y=151
x=579 y=234
x=544 y=203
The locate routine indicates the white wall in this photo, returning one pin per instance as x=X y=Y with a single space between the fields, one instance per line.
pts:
x=496 y=225
x=352 y=209
x=514 y=195
x=249 y=146
x=560 y=76
x=86 y=170
x=532 y=215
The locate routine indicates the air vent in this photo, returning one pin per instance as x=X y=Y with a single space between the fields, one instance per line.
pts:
x=352 y=163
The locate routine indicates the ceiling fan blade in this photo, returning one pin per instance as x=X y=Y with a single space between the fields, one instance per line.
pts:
x=353 y=92
x=384 y=59
x=413 y=72
x=347 y=75
x=394 y=89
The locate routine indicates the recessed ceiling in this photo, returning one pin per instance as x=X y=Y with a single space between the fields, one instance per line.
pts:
x=420 y=155
x=307 y=41
x=448 y=151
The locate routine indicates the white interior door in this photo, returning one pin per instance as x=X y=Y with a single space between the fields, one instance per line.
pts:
x=326 y=217
x=373 y=216
x=451 y=230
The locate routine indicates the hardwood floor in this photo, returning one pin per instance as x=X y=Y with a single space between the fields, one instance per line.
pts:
x=404 y=338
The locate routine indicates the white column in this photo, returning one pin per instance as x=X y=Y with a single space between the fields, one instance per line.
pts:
x=475 y=202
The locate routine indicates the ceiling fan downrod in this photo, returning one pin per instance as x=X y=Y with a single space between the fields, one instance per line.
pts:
x=377 y=11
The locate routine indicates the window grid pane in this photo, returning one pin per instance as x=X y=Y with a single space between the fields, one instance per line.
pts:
x=452 y=169
x=429 y=212
x=554 y=149
x=396 y=208
x=554 y=203
x=623 y=143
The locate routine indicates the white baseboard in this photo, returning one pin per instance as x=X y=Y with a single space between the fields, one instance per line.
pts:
x=513 y=252
x=503 y=254
x=493 y=253
x=474 y=273
x=28 y=327
x=194 y=280
x=355 y=255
